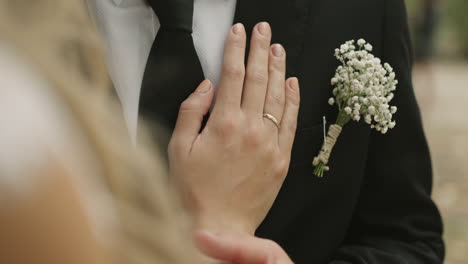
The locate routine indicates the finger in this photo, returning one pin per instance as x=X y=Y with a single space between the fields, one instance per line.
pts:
x=274 y=100
x=191 y=115
x=233 y=72
x=291 y=111
x=233 y=248
x=256 y=79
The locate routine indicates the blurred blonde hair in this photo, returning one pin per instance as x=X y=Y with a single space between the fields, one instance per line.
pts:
x=59 y=38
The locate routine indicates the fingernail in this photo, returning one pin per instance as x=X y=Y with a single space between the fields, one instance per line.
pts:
x=278 y=50
x=237 y=28
x=264 y=28
x=294 y=84
x=204 y=87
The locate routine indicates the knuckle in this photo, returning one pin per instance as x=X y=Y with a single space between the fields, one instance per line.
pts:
x=189 y=105
x=294 y=98
x=275 y=98
x=253 y=137
x=238 y=43
x=261 y=43
x=257 y=76
x=234 y=71
x=276 y=66
x=227 y=127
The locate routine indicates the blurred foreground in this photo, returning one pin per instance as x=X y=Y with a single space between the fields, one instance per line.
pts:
x=442 y=92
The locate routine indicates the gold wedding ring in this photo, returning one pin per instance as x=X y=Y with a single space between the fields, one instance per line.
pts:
x=272 y=119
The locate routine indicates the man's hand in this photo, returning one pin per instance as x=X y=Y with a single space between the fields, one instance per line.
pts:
x=239 y=248
x=230 y=173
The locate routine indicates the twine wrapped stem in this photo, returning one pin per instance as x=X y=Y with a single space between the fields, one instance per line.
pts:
x=321 y=160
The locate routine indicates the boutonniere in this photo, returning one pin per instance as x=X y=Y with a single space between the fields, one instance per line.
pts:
x=362 y=89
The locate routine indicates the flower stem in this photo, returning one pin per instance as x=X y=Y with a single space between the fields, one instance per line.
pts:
x=342 y=119
x=319 y=170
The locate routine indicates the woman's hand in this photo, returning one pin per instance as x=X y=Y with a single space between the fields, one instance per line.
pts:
x=230 y=173
x=239 y=248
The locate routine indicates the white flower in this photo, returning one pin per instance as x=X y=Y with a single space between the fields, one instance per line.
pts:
x=361 y=42
x=368 y=119
x=362 y=89
x=363 y=86
x=390 y=97
x=344 y=48
x=334 y=80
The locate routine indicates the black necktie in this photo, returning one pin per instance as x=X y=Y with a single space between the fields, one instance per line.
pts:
x=173 y=70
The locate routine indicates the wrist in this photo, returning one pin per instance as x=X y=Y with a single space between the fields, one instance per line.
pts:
x=219 y=224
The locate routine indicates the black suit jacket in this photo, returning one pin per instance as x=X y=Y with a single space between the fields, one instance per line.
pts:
x=374 y=206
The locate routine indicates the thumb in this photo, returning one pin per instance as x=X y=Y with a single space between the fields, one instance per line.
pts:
x=191 y=114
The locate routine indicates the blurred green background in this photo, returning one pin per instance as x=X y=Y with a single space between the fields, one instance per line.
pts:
x=451 y=36
x=440 y=40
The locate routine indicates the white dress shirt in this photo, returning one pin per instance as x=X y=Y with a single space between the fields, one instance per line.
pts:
x=129 y=28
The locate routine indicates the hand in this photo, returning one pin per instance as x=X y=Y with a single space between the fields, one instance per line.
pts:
x=230 y=173
x=239 y=248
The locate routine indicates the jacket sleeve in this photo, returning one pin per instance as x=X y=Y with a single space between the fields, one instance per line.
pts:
x=395 y=221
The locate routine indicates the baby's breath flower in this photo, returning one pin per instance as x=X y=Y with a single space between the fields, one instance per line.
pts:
x=363 y=87
x=361 y=42
x=334 y=80
x=368 y=119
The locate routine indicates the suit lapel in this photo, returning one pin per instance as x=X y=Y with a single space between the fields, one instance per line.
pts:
x=289 y=20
